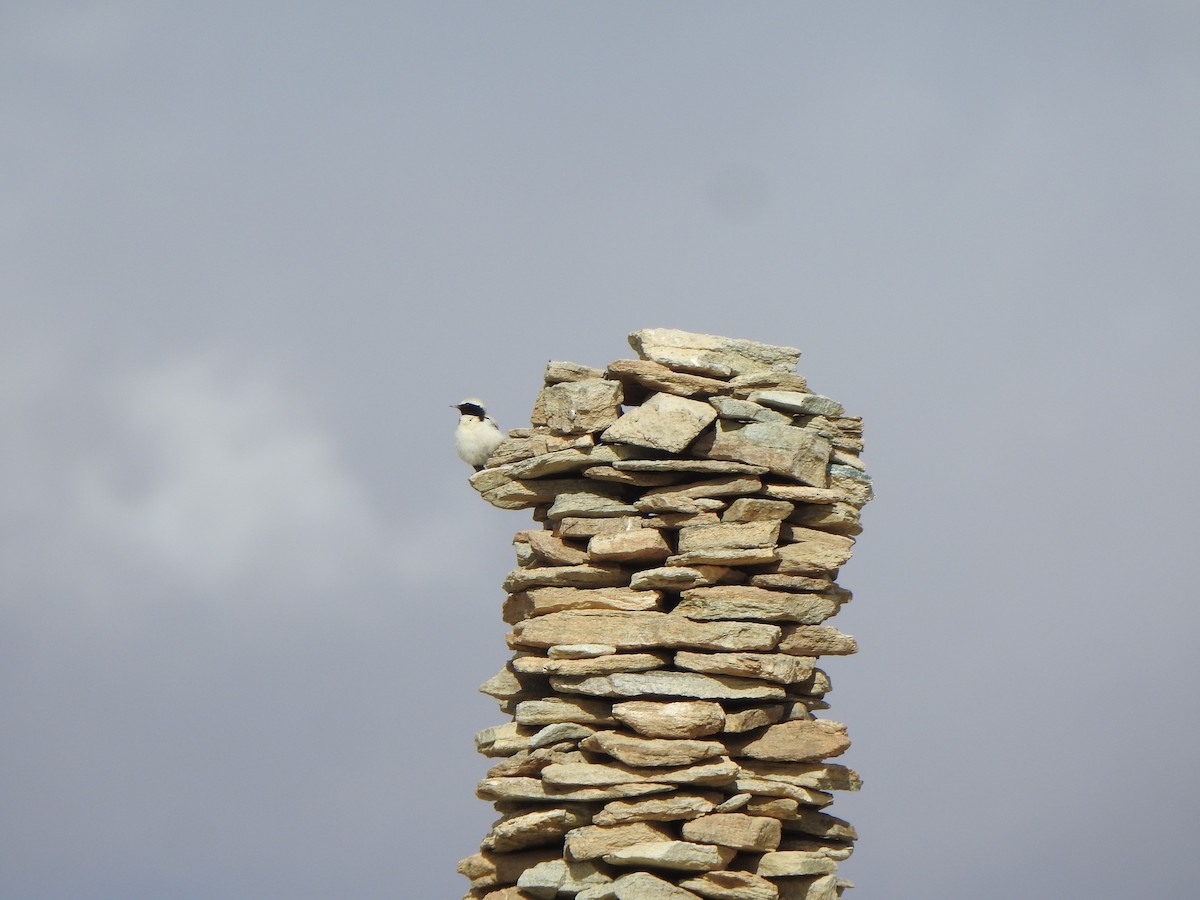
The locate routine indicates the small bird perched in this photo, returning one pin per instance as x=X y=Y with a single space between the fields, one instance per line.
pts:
x=476 y=435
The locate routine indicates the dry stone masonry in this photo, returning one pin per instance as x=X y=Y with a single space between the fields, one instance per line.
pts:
x=668 y=615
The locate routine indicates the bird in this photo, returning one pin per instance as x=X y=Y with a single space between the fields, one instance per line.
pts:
x=476 y=435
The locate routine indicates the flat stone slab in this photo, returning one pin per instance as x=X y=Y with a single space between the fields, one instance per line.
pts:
x=726 y=486
x=593 y=841
x=657 y=377
x=698 y=466
x=566 y=576
x=642 y=630
x=789 y=863
x=671 y=719
x=775 y=667
x=553 y=710
x=664 y=422
x=558 y=876
x=535 y=829
x=732 y=886
x=800 y=740
x=816 y=640
x=545 y=600
x=669 y=684
x=710 y=354
x=681 y=856
x=798 y=403
x=644 y=886
x=795 y=453
x=746 y=411
x=643 y=545
x=679 y=578
x=756 y=834
x=641 y=751
x=729 y=536
x=578 y=407
x=537 y=790
x=595 y=665
x=572 y=776
x=739 y=602
x=672 y=808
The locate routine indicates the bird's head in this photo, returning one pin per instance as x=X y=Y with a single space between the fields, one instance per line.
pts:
x=472 y=406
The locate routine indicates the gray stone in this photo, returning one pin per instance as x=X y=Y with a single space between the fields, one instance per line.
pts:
x=580 y=651
x=563 y=732
x=709 y=354
x=578 y=407
x=745 y=385
x=744 y=720
x=797 y=403
x=822 y=887
x=792 y=452
x=599 y=501
x=822 y=825
x=664 y=422
x=718 y=556
x=552 y=549
x=669 y=684
x=554 y=463
x=745 y=411
x=578 y=528
x=549 y=879
x=840 y=518
x=697 y=466
x=489 y=869
x=503 y=740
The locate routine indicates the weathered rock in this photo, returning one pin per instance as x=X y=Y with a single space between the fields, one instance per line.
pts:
x=637 y=479
x=535 y=828
x=780 y=791
x=820 y=776
x=744 y=385
x=558 y=370
x=671 y=808
x=498 y=489
x=754 y=717
x=681 y=856
x=837 y=850
x=543 y=601
x=578 y=407
x=488 y=869
x=709 y=354
x=600 y=501
x=736 y=830
x=678 y=578
x=655 y=377
x=697 y=466
x=728 y=536
x=536 y=789
x=840 y=518
x=580 y=651
x=799 y=584
x=725 y=486
x=641 y=751
x=821 y=825
x=561 y=732
x=733 y=602
x=553 y=710
x=746 y=411
x=757 y=509
x=821 y=887
x=669 y=684
x=566 y=576
x=595 y=665
x=526 y=444
x=593 y=841
x=664 y=422
x=796 y=741
x=776 y=667
x=571 y=776
x=787 y=862
x=731 y=886
x=675 y=719
x=643 y=545
x=644 y=886
x=553 y=463
x=749 y=556
x=508 y=685
x=549 y=879
x=797 y=403
x=552 y=549
x=639 y=630
x=792 y=452
x=816 y=640
x=503 y=740
x=579 y=528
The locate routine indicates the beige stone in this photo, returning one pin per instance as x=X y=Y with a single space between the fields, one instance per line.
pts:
x=557 y=462
x=788 y=863
x=669 y=684
x=726 y=536
x=559 y=733
x=593 y=841
x=543 y=601
x=552 y=549
x=600 y=501
x=797 y=584
x=767 y=666
x=553 y=710
x=664 y=422
x=785 y=450
x=578 y=528
x=750 y=556
x=709 y=354
x=671 y=808
x=559 y=370
x=535 y=828
x=580 y=651
x=819 y=824
x=821 y=887
x=731 y=886
x=802 y=493
x=772 y=807
x=638 y=630
x=744 y=385
x=816 y=640
x=487 y=869
x=698 y=466
x=840 y=518
x=503 y=740
x=737 y=830
x=731 y=602
x=637 y=479
x=525 y=788
x=642 y=751
x=745 y=411
x=755 y=717
x=677 y=578
x=780 y=791
x=643 y=545
x=682 y=856
x=594 y=665
x=508 y=685
x=757 y=509
x=655 y=377
x=836 y=850
x=585 y=775
x=578 y=407
x=820 y=776
x=725 y=486
x=525 y=444
x=795 y=741
x=645 y=886
x=674 y=719
x=559 y=876
x=508 y=493
x=566 y=576
x=797 y=403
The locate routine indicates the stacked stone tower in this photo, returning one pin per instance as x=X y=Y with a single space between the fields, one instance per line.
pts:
x=694 y=508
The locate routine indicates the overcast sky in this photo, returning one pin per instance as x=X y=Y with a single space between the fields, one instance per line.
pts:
x=251 y=252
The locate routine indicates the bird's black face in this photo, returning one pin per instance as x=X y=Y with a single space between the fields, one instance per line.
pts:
x=471 y=409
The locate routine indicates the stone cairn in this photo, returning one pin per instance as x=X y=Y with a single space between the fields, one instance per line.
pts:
x=695 y=505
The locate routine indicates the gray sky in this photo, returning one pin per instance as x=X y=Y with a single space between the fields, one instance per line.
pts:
x=251 y=253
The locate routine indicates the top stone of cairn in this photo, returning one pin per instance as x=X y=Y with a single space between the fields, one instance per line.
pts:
x=710 y=354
